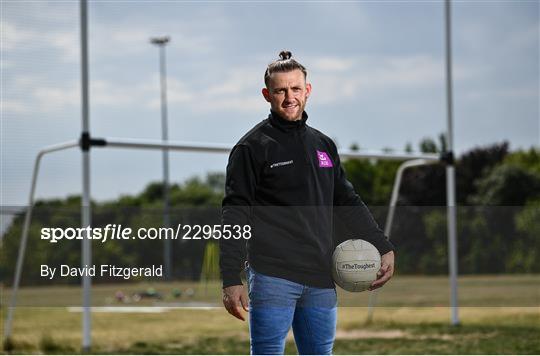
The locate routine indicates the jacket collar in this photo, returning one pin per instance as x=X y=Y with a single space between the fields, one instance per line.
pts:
x=286 y=125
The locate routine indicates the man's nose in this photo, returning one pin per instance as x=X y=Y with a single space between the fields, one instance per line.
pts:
x=288 y=94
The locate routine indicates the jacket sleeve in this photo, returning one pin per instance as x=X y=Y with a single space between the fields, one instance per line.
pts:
x=236 y=209
x=354 y=213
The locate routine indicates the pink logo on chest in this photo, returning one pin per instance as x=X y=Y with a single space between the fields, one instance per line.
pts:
x=324 y=160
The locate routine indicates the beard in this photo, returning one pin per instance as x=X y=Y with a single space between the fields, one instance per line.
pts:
x=293 y=113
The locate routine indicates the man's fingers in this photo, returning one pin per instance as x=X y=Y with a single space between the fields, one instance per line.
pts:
x=383 y=277
x=385 y=272
x=245 y=303
x=235 y=310
x=382 y=270
x=382 y=280
x=233 y=306
x=377 y=284
x=234 y=300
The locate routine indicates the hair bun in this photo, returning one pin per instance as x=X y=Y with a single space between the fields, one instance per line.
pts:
x=284 y=55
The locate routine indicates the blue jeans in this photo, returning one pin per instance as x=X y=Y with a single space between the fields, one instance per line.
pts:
x=276 y=304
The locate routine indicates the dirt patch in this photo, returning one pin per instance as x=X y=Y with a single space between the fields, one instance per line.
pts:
x=385 y=334
x=370 y=334
x=388 y=334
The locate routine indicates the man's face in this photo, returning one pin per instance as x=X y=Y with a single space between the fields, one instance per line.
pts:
x=287 y=94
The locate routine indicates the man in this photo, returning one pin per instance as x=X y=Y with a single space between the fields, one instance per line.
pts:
x=285 y=180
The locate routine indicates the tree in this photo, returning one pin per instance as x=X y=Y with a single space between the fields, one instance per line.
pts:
x=473 y=165
x=525 y=254
x=529 y=160
x=428 y=145
x=216 y=181
x=408 y=147
x=507 y=184
x=443 y=146
x=361 y=173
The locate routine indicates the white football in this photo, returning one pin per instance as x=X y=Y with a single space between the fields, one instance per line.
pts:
x=355 y=264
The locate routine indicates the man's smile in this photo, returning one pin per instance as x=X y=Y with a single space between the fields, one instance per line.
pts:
x=290 y=107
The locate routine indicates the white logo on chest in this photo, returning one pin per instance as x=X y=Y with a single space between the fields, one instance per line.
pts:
x=279 y=164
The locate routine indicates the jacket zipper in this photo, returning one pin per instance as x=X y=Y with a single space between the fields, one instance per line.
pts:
x=302 y=142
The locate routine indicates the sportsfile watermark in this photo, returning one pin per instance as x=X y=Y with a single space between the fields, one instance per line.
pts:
x=135 y=272
x=103 y=270
x=121 y=233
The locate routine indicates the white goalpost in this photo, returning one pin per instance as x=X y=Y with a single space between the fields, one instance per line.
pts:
x=412 y=160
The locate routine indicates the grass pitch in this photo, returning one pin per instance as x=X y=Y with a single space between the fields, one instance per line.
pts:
x=397 y=328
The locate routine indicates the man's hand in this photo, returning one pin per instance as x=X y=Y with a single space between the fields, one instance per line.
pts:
x=234 y=300
x=386 y=272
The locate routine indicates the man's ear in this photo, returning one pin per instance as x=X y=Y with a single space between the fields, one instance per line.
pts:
x=266 y=94
x=308 y=90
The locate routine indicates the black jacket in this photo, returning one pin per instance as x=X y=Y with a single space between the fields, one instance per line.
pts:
x=285 y=180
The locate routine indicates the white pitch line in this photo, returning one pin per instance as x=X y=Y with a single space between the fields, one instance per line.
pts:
x=121 y=309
